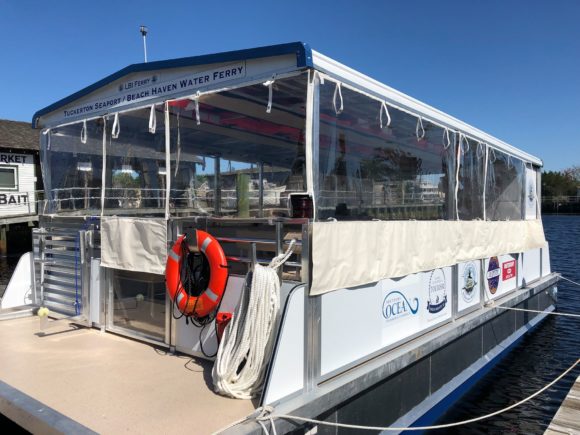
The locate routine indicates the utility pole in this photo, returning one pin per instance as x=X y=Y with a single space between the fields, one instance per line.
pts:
x=144 y=30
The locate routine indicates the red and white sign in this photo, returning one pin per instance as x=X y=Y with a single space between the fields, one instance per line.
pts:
x=508 y=270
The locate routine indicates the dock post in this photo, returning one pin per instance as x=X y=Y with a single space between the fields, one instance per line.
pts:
x=3 y=243
x=243 y=194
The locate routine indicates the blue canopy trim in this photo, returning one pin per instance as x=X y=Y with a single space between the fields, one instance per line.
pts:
x=303 y=59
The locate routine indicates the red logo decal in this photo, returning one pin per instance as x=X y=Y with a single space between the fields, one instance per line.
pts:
x=508 y=270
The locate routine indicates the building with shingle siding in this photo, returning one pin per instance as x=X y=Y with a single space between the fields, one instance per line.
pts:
x=20 y=181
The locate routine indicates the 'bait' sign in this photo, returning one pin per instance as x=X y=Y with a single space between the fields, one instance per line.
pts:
x=9 y=199
x=17 y=184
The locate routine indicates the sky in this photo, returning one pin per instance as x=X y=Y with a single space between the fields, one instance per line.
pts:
x=508 y=67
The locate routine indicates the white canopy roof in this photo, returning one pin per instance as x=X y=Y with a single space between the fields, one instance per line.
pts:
x=144 y=84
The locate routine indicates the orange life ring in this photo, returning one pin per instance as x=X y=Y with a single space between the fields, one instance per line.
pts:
x=210 y=298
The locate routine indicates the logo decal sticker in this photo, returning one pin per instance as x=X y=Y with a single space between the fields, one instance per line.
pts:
x=508 y=270
x=437 y=291
x=396 y=305
x=531 y=192
x=470 y=280
x=493 y=273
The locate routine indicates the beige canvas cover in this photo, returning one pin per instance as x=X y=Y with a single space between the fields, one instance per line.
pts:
x=136 y=244
x=350 y=254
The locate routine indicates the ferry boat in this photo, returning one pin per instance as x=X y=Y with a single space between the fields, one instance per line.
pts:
x=409 y=234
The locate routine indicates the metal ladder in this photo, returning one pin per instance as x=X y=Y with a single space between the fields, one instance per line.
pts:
x=62 y=269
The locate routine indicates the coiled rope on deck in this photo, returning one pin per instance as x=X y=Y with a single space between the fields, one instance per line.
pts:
x=242 y=357
x=267 y=414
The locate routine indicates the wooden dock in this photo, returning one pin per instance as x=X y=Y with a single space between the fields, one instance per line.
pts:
x=567 y=419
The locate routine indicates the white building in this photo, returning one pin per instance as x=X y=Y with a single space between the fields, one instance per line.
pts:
x=19 y=169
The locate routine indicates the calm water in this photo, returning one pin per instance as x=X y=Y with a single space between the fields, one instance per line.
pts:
x=541 y=355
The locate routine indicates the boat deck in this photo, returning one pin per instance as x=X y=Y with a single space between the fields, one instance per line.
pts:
x=106 y=383
x=567 y=419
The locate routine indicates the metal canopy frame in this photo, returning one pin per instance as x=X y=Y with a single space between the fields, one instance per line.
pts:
x=301 y=50
x=305 y=58
x=337 y=71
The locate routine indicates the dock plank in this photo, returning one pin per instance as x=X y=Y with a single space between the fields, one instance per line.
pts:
x=567 y=419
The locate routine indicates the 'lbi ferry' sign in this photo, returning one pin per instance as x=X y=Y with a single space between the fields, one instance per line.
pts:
x=145 y=88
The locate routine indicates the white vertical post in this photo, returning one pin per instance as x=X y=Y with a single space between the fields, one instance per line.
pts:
x=312 y=305
x=311 y=137
x=458 y=155
x=485 y=181
x=167 y=159
x=144 y=30
x=104 y=171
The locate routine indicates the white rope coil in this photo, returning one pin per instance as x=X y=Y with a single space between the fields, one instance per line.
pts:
x=248 y=337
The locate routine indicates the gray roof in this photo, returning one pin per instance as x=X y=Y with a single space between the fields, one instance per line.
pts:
x=18 y=135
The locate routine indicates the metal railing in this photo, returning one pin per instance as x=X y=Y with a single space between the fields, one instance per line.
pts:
x=269 y=237
x=202 y=201
x=561 y=204
x=561 y=199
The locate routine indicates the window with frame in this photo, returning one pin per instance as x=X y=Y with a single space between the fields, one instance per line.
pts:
x=397 y=172
x=240 y=159
x=504 y=186
x=471 y=179
x=9 y=177
x=72 y=168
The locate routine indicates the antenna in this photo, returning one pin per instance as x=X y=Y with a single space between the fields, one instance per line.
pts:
x=144 y=30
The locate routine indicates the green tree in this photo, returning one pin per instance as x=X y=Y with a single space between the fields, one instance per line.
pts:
x=126 y=180
x=573 y=172
x=555 y=183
